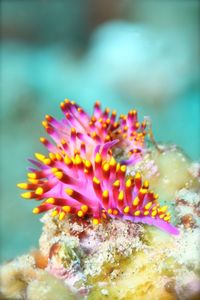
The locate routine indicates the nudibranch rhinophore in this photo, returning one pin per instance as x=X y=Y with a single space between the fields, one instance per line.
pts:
x=81 y=176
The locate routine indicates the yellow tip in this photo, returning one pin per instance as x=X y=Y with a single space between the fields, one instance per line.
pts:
x=137 y=213
x=123 y=169
x=54 y=213
x=39 y=191
x=42 y=139
x=128 y=183
x=69 y=192
x=96 y=180
x=78 y=159
x=115 y=212
x=137 y=175
x=126 y=209
x=146 y=213
x=84 y=208
x=106 y=167
x=34 y=181
x=148 y=205
x=52 y=156
x=80 y=213
x=112 y=162
x=62 y=215
x=67 y=160
x=110 y=211
x=22 y=185
x=73 y=130
x=98 y=158
x=163 y=209
x=58 y=156
x=116 y=183
x=154 y=213
x=47 y=161
x=121 y=196
x=105 y=194
x=26 y=195
x=136 y=201
x=32 y=175
x=95 y=221
x=88 y=164
x=143 y=191
x=36 y=210
x=39 y=156
x=54 y=170
x=66 y=208
x=146 y=184
x=118 y=167
x=45 y=124
x=50 y=200
x=162 y=216
x=59 y=175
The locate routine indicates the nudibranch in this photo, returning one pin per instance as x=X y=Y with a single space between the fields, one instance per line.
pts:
x=80 y=176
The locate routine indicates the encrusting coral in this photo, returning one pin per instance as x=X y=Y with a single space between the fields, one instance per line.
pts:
x=96 y=242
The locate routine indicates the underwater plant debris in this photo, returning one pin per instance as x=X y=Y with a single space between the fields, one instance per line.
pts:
x=81 y=175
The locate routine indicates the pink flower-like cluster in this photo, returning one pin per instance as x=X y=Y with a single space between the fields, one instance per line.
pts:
x=80 y=176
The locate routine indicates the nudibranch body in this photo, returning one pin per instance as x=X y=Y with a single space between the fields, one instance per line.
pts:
x=80 y=176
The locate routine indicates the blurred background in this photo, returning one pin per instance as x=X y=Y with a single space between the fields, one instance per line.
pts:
x=128 y=54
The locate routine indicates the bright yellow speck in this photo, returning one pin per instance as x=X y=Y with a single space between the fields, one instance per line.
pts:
x=62 y=215
x=137 y=175
x=66 y=208
x=121 y=196
x=154 y=213
x=39 y=156
x=123 y=169
x=128 y=183
x=36 y=210
x=137 y=213
x=88 y=164
x=146 y=213
x=105 y=194
x=95 y=221
x=163 y=209
x=126 y=209
x=96 y=180
x=146 y=184
x=84 y=208
x=80 y=213
x=98 y=158
x=39 y=191
x=32 y=175
x=22 y=185
x=136 y=201
x=110 y=211
x=59 y=175
x=78 y=159
x=148 y=205
x=54 y=170
x=106 y=167
x=26 y=195
x=116 y=183
x=69 y=192
x=54 y=213
x=112 y=162
x=50 y=200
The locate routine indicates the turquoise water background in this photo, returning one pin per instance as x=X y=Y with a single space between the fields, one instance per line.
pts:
x=127 y=56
